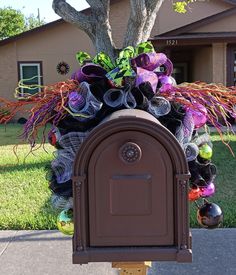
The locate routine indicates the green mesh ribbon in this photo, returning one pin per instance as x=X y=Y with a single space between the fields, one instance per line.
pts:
x=116 y=73
x=127 y=52
x=144 y=47
x=82 y=57
x=104 y=60
x=123 y=68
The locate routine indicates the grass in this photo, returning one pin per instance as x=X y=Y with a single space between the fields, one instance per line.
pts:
x=9 y=134
x=24 y=193
x=225 y=182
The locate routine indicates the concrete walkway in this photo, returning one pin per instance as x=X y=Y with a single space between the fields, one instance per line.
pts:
x=49 y=253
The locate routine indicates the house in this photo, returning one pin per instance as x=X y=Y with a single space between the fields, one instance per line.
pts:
x=200 y=43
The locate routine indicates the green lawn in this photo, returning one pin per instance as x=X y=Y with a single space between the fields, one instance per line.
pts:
x=24 y=193
x=225 y=182
x=10 y=134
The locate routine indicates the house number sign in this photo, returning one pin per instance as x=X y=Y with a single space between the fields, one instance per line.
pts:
x=171 y=42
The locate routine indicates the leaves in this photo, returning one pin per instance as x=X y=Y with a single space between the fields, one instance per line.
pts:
x=32 y=22
x=13 y=22
x=180 y=6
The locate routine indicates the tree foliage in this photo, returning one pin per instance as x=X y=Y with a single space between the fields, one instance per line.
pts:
x=32 y=22
x=13 y=22
x=181 y=6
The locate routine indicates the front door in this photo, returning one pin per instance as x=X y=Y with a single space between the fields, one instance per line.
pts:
x=130 y=182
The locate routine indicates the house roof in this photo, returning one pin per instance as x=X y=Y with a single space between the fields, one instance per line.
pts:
x=42 y=28
x=199 y=23
x=28 y=33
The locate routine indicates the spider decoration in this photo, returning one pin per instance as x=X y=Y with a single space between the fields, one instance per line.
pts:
x=63 y=68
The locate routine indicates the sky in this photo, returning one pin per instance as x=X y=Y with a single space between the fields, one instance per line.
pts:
x=46 y=12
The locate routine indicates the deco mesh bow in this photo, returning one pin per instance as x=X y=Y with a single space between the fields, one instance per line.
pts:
x=139 y=78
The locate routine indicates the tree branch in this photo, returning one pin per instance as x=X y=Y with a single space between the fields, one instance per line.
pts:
x=142 y=18
x=138 y=14
x=71 y=15
x=104 y=4
x=153 y=7
x=100 y=10
x=96 y=24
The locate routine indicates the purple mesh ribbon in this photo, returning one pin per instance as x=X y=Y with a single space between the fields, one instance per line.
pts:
x=92 y=104
x=149 y=61
x=89 y=73
x=76 y=101
x=188 y=124
x=146 y=76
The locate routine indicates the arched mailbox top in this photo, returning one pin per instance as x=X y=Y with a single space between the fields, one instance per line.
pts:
x=128 y=120
x=132 y=142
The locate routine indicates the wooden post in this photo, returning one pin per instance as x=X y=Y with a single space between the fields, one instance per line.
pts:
x=132 y=268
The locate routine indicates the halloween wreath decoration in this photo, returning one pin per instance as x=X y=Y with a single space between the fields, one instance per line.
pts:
x=63 y=68
x=139 y=78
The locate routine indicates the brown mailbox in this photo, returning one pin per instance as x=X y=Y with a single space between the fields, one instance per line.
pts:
x=130 y=188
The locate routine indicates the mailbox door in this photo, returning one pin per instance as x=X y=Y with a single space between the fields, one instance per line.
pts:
x=130 y=184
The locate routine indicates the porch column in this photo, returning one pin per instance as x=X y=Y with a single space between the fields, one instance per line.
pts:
x=219 y=51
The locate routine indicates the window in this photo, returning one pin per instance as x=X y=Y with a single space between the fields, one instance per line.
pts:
x=30 y=73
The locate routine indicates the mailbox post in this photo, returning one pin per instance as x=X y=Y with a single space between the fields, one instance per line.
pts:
x=130 y=185
x=132 y=268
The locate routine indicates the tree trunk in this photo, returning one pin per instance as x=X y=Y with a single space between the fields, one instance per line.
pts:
x=152 y=9
x=103 y=34
x=97 y=26
x=141 y=21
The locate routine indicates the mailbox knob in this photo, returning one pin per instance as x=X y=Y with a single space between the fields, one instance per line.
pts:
x=130 y=152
